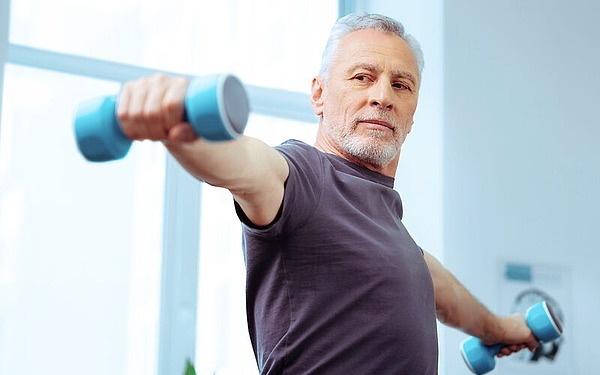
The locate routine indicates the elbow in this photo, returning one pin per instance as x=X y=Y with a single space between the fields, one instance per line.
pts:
x=444 y=316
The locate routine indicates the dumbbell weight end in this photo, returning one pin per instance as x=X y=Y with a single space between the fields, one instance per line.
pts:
x=479 y=357
x=217 y=107
x=97 y=131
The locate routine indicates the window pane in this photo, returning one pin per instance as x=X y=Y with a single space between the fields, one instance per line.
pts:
x=266 y=42
x=223 y=344
x=80 y=243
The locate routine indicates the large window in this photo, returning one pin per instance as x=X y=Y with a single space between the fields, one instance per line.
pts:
x=83 y=246
x=80 y=244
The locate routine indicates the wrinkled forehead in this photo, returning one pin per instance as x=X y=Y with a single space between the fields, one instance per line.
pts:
x=382 y=50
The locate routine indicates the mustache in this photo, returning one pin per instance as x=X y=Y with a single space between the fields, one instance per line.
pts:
x=382 y=116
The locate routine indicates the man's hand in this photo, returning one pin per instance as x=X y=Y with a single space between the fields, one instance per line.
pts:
x=513 y=331
x=152 y=109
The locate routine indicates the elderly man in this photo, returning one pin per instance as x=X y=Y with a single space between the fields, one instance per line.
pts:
x=335 y=284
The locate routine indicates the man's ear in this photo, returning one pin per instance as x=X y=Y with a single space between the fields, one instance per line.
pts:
x=316 y=96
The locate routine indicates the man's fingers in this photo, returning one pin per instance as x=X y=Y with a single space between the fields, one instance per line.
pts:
x=149 y=108
x=510 y=349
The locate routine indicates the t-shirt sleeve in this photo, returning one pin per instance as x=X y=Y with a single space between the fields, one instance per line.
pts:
x=302 y=191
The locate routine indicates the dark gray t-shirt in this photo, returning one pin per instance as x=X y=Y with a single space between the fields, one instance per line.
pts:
x=336 y=285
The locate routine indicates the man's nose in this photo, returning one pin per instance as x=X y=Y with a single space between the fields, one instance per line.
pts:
x=381 y=96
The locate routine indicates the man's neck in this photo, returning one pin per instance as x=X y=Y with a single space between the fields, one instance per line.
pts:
x=388 y=170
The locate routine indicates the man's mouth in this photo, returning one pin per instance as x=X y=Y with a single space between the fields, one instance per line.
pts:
x=375 y=123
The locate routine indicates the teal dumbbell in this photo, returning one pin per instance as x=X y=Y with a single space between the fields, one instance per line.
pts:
x=541 y=320
x=216 y=106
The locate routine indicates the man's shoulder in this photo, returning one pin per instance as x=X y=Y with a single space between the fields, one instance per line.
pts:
x=295 y=145
x=298 y=152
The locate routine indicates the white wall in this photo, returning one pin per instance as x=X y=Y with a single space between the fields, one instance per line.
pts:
x=521 y=154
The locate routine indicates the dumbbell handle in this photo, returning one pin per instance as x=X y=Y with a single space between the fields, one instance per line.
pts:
x=541 y=320
x=216 y=107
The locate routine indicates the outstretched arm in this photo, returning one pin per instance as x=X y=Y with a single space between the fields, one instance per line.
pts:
x=152 y=109
x=458 y=308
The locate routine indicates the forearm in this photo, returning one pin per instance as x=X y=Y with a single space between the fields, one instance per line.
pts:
x=225 y=164
x=461 y=310
x=458 y=308
x=251 y=170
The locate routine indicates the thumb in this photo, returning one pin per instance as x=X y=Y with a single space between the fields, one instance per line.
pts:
x=181 y=132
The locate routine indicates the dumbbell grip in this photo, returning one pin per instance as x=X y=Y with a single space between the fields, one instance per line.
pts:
x=215 y=106
x=495 y=349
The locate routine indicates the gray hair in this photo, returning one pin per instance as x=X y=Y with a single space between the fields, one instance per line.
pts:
x=360 y=21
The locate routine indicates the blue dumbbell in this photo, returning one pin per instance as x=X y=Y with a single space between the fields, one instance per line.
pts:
x=540 y=318
x=216 y=106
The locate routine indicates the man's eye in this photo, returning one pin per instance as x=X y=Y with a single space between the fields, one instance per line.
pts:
x=361 y=77
x=401 y=86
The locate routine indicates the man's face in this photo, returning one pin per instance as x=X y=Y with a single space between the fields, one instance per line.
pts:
x=368 y=102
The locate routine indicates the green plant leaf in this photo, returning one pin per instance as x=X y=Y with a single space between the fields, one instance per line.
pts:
x=189 y=368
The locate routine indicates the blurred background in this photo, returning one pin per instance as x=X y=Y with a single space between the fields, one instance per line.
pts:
x=132 y=267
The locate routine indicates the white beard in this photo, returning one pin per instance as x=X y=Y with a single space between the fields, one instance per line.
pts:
x=374 y=149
